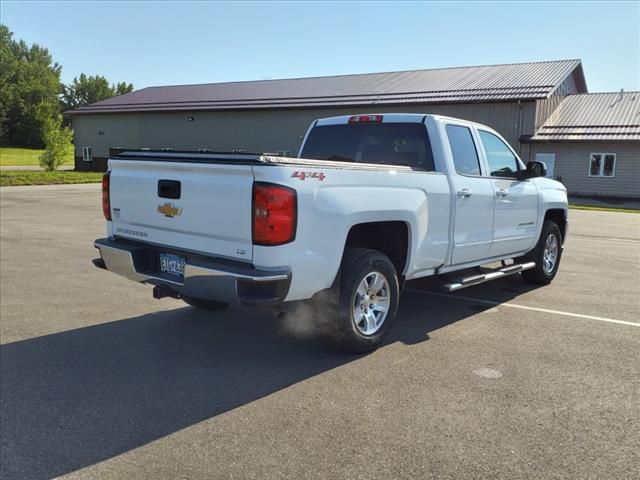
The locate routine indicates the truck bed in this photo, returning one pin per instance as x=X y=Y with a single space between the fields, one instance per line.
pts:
x=245 y=159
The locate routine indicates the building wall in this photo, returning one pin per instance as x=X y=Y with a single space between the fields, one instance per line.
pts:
x=572 y=166
x=259 y=131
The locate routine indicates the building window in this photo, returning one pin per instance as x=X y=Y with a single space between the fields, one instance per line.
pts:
x=86 y=154
x=602 y=165
x=239 y=150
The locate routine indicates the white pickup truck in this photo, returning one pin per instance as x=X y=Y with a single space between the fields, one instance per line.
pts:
x=371 y=202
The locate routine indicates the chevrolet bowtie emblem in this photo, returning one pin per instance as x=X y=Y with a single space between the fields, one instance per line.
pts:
x=169 y=210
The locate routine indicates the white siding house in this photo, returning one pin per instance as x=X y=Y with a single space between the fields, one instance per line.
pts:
x=591 y=142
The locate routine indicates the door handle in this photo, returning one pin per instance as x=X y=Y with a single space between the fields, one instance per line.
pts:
x=464 y=193
x=502 y=193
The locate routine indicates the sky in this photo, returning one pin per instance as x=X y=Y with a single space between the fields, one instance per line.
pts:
x=167 y=43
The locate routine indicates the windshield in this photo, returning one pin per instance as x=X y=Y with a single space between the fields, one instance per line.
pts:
x=384 y=143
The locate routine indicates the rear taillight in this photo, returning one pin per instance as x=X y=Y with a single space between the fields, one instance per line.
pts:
x=274 y=214
x=106 y=201
x=366 y=119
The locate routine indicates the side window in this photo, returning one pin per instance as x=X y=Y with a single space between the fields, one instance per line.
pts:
x=465 y=156
x=602 y=165
x=596 y=165
x=86 y=154
x=502 y=162
x=609 y=166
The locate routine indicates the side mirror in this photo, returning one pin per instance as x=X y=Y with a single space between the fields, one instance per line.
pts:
x=534 y=169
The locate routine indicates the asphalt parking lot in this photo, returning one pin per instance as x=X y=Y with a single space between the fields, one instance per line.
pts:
x=99 y=380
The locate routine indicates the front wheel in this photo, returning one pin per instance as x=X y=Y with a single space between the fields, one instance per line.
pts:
x=367 y=300
x=546 y=255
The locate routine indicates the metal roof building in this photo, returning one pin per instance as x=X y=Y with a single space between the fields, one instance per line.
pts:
x=487 y=83
x=518 y=100
x=594 y=117
x=593 y=141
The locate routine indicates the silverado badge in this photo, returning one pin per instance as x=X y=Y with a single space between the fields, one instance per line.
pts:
x=169 y=210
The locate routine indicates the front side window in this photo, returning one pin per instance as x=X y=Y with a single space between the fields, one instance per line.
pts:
x=602 y=165
x=502 y=162
x=463 y=149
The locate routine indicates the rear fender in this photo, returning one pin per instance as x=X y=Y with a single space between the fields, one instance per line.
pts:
x=325 y=217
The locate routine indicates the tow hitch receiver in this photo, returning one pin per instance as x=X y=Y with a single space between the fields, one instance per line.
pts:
x=160 y=291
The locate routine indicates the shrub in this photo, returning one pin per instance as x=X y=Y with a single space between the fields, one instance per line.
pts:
x=58 y=144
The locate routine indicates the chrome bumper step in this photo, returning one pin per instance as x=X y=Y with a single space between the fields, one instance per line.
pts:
x=464 y=282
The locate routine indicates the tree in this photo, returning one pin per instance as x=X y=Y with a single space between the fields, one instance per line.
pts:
x=31 y=93
x=124 y=87
x=29 y=87
x=58 y=144
x=7 y=69
x=86 y=90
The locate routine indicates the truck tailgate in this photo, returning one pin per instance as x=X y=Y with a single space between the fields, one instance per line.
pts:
x=211 y=214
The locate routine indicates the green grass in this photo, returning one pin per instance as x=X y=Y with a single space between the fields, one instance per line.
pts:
x=39 y=177
x=18 y=157
x=604 y=209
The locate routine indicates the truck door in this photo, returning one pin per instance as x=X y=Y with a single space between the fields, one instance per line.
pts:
x=474 y=198
x=516 y=212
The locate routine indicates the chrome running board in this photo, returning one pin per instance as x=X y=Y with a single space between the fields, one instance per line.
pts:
x=460 y=283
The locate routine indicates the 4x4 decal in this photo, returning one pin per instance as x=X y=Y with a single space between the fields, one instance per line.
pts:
x=304 y=175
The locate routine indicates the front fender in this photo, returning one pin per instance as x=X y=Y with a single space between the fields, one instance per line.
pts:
x=552 y=195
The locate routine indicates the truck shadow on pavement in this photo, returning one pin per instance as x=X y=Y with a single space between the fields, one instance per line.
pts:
x=72 y=399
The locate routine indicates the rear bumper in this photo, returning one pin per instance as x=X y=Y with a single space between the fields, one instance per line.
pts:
x=205 y=277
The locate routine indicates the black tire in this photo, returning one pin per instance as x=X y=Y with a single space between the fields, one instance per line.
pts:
x=358 y=264
x=541 y=275
x=203 y=304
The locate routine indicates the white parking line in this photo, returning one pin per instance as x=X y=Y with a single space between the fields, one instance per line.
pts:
x=522 y=307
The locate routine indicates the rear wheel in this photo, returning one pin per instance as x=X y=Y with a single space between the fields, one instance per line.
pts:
x=546 y=255
x=203 y=304
x=367 y=300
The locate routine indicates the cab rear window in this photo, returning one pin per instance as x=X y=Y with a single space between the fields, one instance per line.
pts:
x=404 y=144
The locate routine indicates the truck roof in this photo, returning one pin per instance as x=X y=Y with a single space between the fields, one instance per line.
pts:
x=395 y=118
x=387 y=118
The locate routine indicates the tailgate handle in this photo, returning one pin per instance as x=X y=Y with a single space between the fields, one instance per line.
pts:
x=169 y=188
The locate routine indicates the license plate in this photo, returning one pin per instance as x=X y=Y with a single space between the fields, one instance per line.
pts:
x=172 y=264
